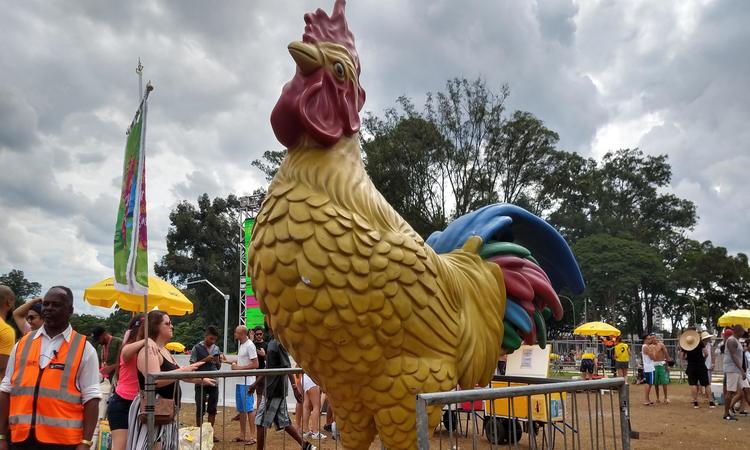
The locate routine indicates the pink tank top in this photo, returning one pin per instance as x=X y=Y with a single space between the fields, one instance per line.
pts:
x=127 y=380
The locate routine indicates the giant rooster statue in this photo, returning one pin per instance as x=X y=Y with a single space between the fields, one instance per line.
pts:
x=373 y=313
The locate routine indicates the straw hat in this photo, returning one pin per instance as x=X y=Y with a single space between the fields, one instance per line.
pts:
x=707 y=335
x=690 y=340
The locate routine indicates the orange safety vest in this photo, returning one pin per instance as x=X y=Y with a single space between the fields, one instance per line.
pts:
x=47 y=400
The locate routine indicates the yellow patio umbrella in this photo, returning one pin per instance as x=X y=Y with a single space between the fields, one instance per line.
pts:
x=175 y=347
x=161 y=295
x=596 y=329
x=736 y=317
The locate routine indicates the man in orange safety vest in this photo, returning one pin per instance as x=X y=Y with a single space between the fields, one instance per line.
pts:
x=49 y=397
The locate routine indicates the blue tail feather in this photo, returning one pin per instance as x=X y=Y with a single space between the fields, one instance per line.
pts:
x=506 y=222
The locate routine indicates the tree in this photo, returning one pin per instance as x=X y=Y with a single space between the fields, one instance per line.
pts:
x=565 y=194
x=521 y=155
x=709 y=279
x=191 y=332
x=117 y=322
x=614 y=268
x=85 y=323
x=203 y=241
x=401 y=154
x=622 y=195
x=469 y=116
x=270 y=163
x=460 y=151
x=23 y=288
x=631 y=197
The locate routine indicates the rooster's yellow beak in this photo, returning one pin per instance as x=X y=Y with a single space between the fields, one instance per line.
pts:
x=307 y=56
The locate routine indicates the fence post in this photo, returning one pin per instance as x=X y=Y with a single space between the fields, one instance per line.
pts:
x=423 y=432
x=624 y=393
x=150 y=400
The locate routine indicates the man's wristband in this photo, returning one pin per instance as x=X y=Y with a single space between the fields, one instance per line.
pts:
x=3 y=437
x=87 y=442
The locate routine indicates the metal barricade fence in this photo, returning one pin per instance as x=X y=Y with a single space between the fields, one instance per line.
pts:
x=223 y=422
x=553 y=413
x=567 y=347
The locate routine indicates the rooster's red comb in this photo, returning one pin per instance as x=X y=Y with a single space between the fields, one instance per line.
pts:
x=322 y=28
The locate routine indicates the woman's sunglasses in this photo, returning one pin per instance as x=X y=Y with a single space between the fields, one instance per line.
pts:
x=31 y=318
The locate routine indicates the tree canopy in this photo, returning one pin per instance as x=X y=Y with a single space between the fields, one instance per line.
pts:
x=23 y=288
x=203 y=242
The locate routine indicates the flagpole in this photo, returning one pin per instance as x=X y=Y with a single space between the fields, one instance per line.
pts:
x=139 y=71
x=150 y=392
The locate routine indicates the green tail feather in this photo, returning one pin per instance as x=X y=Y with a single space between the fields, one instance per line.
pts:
x=505 y=248
x=541 y=328
x=511 y=339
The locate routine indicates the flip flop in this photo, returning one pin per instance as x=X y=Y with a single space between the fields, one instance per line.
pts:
x=648 y=404
x=250 y=441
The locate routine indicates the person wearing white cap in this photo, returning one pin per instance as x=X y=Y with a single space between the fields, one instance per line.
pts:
x=693 y=350
x=706 y=338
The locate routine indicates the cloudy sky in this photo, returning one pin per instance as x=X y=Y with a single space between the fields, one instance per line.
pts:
x=668 y=77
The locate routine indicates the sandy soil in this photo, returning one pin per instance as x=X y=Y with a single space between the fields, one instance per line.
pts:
x=660 y=426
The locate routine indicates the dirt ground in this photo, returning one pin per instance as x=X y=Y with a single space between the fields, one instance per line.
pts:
x=661 y=426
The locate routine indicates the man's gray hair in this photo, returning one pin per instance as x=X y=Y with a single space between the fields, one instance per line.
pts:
x=68 y=293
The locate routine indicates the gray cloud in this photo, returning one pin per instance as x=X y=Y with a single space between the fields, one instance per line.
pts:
x=557 y=20
x=17 y=121
x=196 y=184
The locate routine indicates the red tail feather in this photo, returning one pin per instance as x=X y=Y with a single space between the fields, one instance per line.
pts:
x=527 y=283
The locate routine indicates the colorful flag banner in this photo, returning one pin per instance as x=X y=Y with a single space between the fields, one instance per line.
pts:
x=131 y=242
x=253 y=315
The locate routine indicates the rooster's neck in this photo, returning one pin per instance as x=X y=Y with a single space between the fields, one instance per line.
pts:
x=332 y=170
x=339 y=173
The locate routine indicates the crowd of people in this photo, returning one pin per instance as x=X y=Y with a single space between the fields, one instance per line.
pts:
x=697 y=351
x=54 y=379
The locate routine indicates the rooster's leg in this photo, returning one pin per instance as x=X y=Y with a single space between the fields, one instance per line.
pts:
x=397 y=425
x=355 y=424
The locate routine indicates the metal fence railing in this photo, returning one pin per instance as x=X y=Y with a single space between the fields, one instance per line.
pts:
x=569 y=351
x=226 y=429
x=553 y=413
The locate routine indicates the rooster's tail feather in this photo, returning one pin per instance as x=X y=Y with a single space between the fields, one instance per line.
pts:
x=534 y=258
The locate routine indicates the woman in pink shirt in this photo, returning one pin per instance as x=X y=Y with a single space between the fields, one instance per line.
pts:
x=127 y=386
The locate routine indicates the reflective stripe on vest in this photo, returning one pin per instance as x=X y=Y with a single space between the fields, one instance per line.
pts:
x=44 y=420
x=75 y=342
x=28 y=342
x=47 y=393
x=48 y=399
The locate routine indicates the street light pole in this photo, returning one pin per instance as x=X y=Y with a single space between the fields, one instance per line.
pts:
x=585 y=309
x=695 y=311
x=226 y=325
x=226 y=306
x=572 y=306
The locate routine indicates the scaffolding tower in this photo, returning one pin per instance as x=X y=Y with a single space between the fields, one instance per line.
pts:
x=249 y=208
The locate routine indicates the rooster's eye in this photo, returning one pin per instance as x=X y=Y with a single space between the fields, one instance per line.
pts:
x=338 y=68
